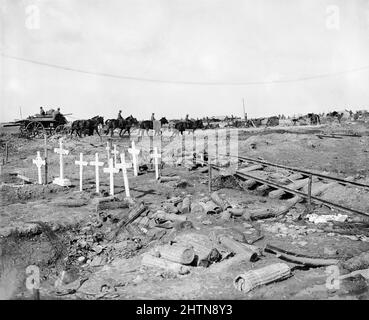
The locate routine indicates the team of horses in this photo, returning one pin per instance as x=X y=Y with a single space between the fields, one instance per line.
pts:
x=96 y=124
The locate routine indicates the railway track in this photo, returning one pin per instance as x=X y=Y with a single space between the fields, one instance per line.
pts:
x=289 y=183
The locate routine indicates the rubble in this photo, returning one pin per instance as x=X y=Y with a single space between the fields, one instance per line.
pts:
x=255 y=278
x=155 y=262
x=250 y=252
x=221 y=202
x=299 y=258
x=315 y=218
x=193 y=231
x=176 y=253
x=206 y=252
x=357 y=263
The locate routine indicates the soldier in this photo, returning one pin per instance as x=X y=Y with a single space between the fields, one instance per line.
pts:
x=120 y=115
x=153 y=117
x=56 y=113
x=42 y=111
x=187 y=117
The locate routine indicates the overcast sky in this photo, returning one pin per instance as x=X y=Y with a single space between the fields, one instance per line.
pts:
x=202 y=41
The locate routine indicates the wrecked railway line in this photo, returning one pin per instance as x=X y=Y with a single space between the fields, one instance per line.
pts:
x=305 y=180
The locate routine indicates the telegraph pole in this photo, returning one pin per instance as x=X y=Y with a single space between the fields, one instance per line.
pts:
x=244 y=112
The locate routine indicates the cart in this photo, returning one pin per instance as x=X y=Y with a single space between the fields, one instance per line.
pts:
x=39 y=126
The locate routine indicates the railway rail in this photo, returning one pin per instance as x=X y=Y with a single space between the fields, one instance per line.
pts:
x=306 y=180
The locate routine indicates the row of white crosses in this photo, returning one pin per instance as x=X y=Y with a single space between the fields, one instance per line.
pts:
x=111 y=169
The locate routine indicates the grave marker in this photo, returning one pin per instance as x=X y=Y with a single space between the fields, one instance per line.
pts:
x=115 y=152
x=81 y=163
x=156 y=156
x=39 y=162
x=124 y=165
x=111 y=170
x=108 y=150
x=97 y=164
x=134 y=152
x=61 y=181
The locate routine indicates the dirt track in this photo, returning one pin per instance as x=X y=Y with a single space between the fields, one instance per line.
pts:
x=51 y=226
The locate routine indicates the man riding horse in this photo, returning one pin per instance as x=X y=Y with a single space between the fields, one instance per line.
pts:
x=122 y=124
x=152 y=125
x=188 y=125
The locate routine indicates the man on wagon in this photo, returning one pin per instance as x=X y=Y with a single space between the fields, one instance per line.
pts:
x=42 y=111
x=56 y=113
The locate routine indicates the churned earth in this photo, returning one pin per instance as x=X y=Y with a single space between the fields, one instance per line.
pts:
x=69 y=238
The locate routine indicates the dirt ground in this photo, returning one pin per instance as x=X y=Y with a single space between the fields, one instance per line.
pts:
x=64 y=233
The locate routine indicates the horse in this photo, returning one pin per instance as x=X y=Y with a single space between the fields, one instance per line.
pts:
x=89 y=126
x=314 y=118
x=152 y=125
x=122 y=124
x=188 y=125
x=335 y=114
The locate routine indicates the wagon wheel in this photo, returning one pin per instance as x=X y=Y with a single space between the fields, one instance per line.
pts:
x=35 y=130
x=61 y=129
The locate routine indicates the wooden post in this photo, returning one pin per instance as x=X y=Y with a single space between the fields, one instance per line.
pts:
x=194 y=155
x=45 y=151
x=210 y=174
x=183 y=148
x=6 y=152
x=309 y=192
x=161 y=153
x=151 y=148
x=216 y=147
x=228 y=145
x=206 y=148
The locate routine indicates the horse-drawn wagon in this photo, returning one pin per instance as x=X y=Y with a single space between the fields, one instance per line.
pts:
x=38 y=126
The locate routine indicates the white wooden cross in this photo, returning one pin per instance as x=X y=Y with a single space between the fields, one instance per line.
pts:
x=81 y=163
x=124 y=165
x=108 y=149
x=39 y=162
x=115 y=152
x=156 y=156
x=61 y=181
x=97 y=164
x=111 y=170
x=134 y=152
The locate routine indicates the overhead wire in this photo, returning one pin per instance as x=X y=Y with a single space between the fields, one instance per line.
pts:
x=180 y=82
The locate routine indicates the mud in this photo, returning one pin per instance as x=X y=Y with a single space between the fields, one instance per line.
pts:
x=60 y=230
